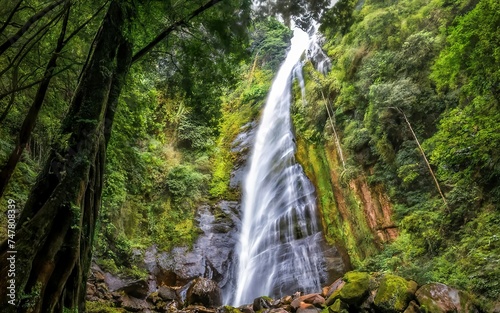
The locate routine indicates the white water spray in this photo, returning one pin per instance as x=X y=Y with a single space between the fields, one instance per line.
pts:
x=279 y=251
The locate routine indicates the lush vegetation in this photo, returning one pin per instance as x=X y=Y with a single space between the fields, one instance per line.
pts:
x=410 y=109
x=411 y=73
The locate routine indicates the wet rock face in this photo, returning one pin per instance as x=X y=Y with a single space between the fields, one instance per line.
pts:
x=241 y=148
x=204 y=292
x=212 y=254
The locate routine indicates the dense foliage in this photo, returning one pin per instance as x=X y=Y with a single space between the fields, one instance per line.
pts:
x=412 y=81
x=430 y=67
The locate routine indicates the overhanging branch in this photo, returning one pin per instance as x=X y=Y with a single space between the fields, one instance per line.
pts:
x=164 y=34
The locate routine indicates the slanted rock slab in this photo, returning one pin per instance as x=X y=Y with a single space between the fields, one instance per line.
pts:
x=314 y=299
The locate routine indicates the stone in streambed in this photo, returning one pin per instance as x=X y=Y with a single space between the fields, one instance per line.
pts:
x=328 y=291
x=137 y=289
x=262 y=303
x=394 y=294
x=205 y=292
x=314 y=299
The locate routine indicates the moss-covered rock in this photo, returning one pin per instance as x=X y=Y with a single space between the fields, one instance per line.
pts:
x=439 y=298
x=394 y=294
x=339 y=307
x=228 y=309
x=413 y=308
x=263 y=302
x=356 y=288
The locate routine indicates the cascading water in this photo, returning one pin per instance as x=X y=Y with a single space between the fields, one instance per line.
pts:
x=280 y=244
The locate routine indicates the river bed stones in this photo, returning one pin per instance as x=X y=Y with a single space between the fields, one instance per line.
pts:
x=355 y=292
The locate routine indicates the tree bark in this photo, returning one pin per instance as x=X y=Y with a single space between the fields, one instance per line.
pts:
x=55 y=230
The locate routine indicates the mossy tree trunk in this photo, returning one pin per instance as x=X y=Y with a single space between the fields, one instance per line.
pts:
x=55 y=230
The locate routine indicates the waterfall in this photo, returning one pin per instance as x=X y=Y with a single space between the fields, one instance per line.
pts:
x=280 y=243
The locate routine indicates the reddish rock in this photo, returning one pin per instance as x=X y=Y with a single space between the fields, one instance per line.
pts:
x=286 y=300
x=307 y=308
x=314 y=299
x=327 y=292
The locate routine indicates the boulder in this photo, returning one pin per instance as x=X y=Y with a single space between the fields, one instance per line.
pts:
x=167 y=293
x=286 y=300
x=355 y=290
x=247 y=308
x=307 y=308
x=262 y=303
x=394 y=294
x=205 y=292
x=314 y=299
x=133 y=304
x=137 y=289
x=439 y=298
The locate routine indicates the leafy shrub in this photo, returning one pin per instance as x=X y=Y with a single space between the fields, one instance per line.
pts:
x=183 y=182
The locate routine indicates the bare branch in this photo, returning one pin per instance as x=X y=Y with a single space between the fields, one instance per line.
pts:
x=37 y=36
x=14 y=38
x=32 y=116
x=76 y=31
x=34 y=83
x=11 y=15
x=423 y=155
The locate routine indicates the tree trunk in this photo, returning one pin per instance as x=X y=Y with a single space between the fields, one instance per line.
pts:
x=32 y=116
x=55 y=230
